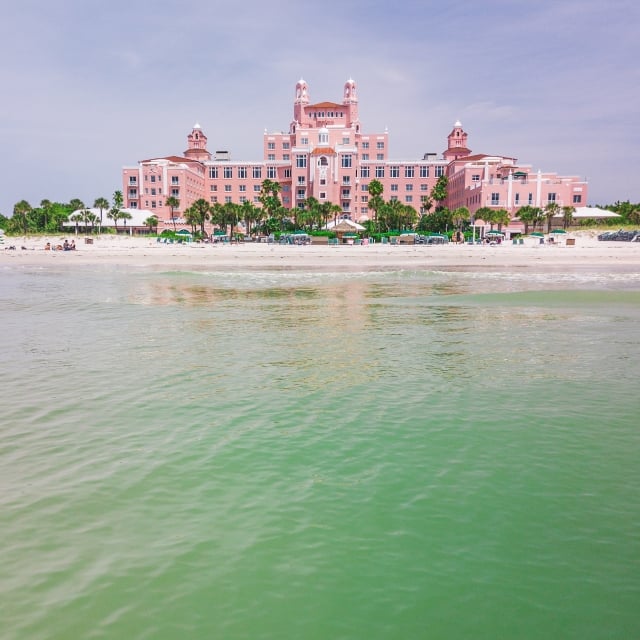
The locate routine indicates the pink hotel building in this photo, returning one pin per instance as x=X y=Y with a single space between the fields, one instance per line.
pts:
x=325 y=154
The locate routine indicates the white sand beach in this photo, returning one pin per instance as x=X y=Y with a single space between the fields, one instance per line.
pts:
x=587 y=252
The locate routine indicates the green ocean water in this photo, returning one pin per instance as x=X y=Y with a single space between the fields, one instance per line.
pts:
x=319 y=455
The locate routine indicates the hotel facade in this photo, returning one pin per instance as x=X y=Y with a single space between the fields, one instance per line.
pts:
x=325 y=154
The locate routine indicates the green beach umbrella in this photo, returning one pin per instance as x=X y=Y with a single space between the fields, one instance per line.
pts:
x=558 y=231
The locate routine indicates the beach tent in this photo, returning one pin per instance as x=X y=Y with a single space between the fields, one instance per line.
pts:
x=593 y=212
x=346 y=225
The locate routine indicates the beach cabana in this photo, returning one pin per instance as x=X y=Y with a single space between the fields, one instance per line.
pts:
x=583 y=213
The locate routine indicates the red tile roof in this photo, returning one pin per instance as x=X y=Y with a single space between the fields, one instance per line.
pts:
x=323 y=151
x=326 y=105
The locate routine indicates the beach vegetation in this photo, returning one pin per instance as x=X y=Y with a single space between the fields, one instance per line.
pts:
x=102 y=204
x=440 y=191
x=173 y=203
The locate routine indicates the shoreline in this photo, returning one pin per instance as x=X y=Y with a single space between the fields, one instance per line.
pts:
x=127 y=251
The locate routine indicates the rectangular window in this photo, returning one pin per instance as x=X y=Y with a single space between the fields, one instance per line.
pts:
x=408 y=187
x=379 y=156
x=345 y=140
x=365 y=156
x=228 y=173
x=228 y=199
x=153 y=178
x=213 y=173
x=323 y=195
x=133 y=193
x=301 y=180
x=286 y=188
x=287 y=173
x=365 y=145
x=408 y=198
x=495 y=198
x=243 y=199
x=475 y=177
x=300 y=194
x=379 y=172
x=551 y=197
x=134 y=205
x=242 y=172
x=365 y=198
x=227 y=188
x=409 y=172
x=379 y=145
x=517 y=199
x=393 y=198
x=175 y=180
x=175 y=193
x=394 y=172
x=243 y=188
x=271 y=145
x=364 y=187
x=256 y=187
x=271 y=157
x=214 y=199
x=530 y=198
x=285 y=145
x=301 y=161
x=345 y=193
x=153 y=191
x=257 y=173
x=272 y=173
x=439 y=171
x=424 y=171
x=577 y=199
x=304 y=141
x=214 y=187
x=153 y=204
x=346 y=161
x=424 y=187
x=394 y=187
x=364 y=172
x=346 y=180
x=133 y=180
x=286 y=200
x=286 y=157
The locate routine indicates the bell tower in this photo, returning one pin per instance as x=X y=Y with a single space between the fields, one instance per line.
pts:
x=350 y=100
x=197 y=145
x=301 y=101
x=456 y=143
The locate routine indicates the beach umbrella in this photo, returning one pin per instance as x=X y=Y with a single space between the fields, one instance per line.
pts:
x=494 y=233
x=537 y=234
x=558 y=231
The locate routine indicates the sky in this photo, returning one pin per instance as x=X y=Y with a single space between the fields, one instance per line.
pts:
x=88 y=87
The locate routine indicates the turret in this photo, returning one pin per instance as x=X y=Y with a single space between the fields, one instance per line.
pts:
x=197 y=145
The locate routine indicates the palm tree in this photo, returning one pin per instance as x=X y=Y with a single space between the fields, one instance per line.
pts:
x=375 y=198
x=115 y=213
x=173 y=203
x=20 y=212
x=125 y=215
x=439 y=192
x=567 y=216
x=46 y=206
x=152 y=223
x=269 y=197
x=201 y=211
x=551 y=211
x=102 y=204
x=426 y=203
x=76 y=217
